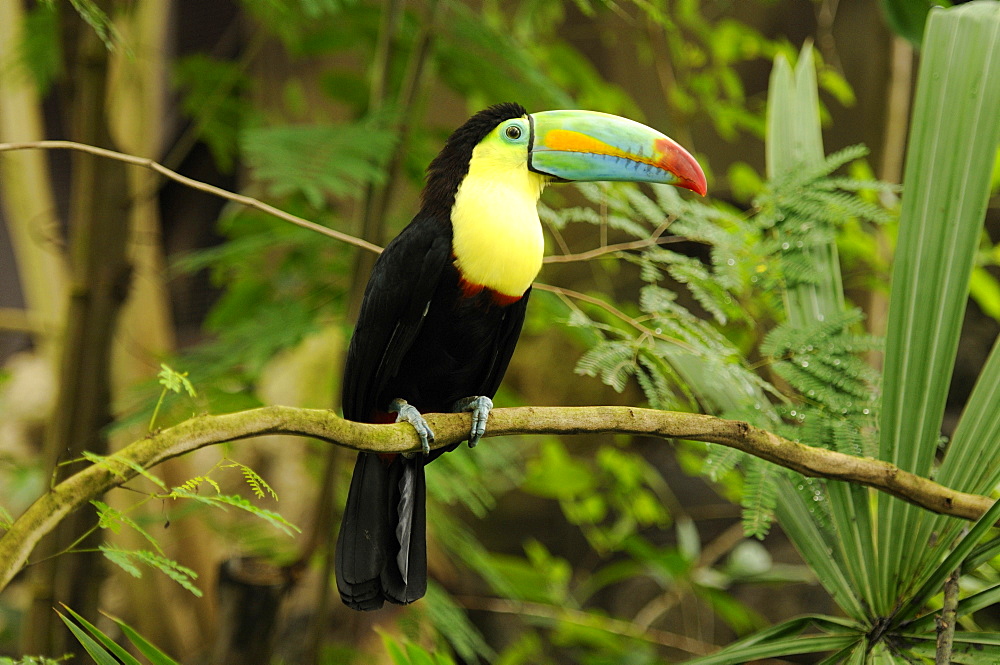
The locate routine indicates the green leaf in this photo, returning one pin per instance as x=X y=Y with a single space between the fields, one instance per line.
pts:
x=99 y=22
x=175 y=381
x=100 y=655
x=785 y=639
x=908 y=17
x=145 y=647
x=453 y=624
x=985 y=290
x=111 y=518
x=317 y=161
x=817 y=550
x=935 y=580
x=40 y=50
x=946 y=191
x=127 y=560
x=950 y=155
x=556 y=474
x=967 y=648
x=794 y=146
x=257 y=484
x=968 y=605
x=111 y=464
x=222 y=500
x=106 y=641
x=213 y=95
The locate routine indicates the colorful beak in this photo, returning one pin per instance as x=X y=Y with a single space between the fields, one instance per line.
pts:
x=586 y=145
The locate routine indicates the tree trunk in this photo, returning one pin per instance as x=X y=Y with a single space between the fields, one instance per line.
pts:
x=99 y=282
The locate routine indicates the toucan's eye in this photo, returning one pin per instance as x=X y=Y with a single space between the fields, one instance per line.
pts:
x=513 y=132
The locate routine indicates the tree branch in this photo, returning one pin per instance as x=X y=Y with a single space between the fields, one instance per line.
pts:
x=77 y=490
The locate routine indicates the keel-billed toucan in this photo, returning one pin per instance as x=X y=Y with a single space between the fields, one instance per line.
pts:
x=444 y=307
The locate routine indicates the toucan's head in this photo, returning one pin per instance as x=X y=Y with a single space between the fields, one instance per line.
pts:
x=560 y=146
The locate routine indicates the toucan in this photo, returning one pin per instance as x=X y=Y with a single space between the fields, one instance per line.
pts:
x=444 y=305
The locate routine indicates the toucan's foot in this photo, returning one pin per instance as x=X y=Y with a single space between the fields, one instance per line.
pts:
x=480 y=408
x=407 y=413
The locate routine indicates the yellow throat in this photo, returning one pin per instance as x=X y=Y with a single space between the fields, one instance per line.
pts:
x=497 y=237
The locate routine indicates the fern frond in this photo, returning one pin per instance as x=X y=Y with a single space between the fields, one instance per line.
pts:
x=760 y=497
x=221 y=501
x=127 y=560
x=109 y=464
x=113 y=519
x=257 y=484
x=655 y=378
x=175 y=381
x=721 y=461
x=317 y=161
x=191 y=485
x=612 y=361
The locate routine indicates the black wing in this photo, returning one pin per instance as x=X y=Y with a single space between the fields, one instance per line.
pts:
x=508 y=332
x=396 y=299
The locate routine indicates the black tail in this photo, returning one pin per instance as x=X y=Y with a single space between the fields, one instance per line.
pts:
x=382 y=548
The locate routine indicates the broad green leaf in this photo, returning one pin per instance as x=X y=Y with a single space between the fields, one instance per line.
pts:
x=981 y=555
x=952 y=143
x=935 y=581
x=971 y=463
x=106 y=641
x=794 y=142
x=145 y=647
x=814 y=546
x=908 y=17
x=100 y=655
x=739 y=654
x=968 y=605
x=967 y=648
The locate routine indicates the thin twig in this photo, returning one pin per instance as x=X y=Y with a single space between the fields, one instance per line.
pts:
x=946 y=622
x=598 y=252
x=247 y=201
x=570 y=294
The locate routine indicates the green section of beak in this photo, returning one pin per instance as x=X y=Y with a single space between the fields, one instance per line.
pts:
x=586 y=145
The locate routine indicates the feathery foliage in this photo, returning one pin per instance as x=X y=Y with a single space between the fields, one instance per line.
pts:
x=128 y=561
x=698 y=315
x=882 y=561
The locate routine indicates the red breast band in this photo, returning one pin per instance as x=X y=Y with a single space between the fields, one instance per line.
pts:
x=470 y=290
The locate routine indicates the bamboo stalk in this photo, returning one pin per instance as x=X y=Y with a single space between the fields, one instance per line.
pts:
x=26 y=193
x=100 y=277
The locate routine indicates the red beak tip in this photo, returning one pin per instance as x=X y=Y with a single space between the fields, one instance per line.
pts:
x=696 y=181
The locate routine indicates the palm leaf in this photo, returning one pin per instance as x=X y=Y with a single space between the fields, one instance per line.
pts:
x=786 y=639
x=103 y=650
x=794 y=142
x=950 y=155
x=936 y=579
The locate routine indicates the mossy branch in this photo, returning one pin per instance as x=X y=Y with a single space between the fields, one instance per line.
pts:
x=41 y=517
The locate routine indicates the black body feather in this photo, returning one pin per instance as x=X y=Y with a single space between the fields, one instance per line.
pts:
x=419 y=337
